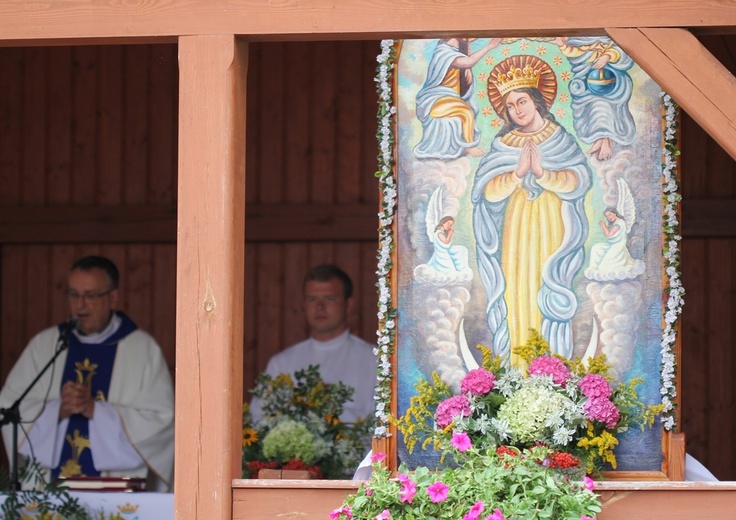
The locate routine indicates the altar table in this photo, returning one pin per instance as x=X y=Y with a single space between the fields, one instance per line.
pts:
x=143 y=505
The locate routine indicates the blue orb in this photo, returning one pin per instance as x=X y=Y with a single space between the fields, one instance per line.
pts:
x=601 y=81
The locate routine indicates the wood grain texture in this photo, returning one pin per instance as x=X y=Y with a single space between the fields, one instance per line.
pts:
x=32 y=219
x=685 y=69
x=210 y=260
x=81 y=20
x=312 y=500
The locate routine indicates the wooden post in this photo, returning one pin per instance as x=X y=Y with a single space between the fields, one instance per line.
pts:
x=210 y=274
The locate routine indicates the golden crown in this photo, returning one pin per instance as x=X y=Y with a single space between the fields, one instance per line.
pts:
x=515 y=78
x=128 y=508
x=31 y=506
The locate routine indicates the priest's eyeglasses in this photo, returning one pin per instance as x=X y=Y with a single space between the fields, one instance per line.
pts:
x=89 y=297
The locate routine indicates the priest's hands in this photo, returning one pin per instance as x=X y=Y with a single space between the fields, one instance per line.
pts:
x=76 y=398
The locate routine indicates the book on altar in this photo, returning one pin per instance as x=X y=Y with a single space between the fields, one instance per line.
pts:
x=103 y=483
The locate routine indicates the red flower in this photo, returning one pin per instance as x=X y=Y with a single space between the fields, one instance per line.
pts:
x=505 y=450
x=563 y=460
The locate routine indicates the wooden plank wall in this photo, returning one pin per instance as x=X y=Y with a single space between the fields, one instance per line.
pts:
x=709 y=278
x=88 y=135
x=311 y=142
x=84 y=128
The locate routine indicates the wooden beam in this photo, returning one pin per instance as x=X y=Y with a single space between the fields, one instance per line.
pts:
x=710 y=218
x=311 y=500
x=264 y=223
x=77 y=20
x=210 y=274
x=685 y=69
x=311 y=222
x=157 y=224
x=77 y=224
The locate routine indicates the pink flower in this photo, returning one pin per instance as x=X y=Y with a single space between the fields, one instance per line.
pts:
x=378 y=457
x=461 y=441
x=475 y=511
x=496 y=515
x=550 y=366
x=447 y=410
x=583 y=517
x=337 y=512
x=589 y=483
x=602 y=410
x=408 y=488
x=595 y=386
x=438 y=491
x=383 y=515
x=478 y=382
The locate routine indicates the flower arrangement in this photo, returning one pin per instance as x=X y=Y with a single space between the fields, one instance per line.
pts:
x=301 y=427
x=521 y=442
x=498 y=484
x=566 y=405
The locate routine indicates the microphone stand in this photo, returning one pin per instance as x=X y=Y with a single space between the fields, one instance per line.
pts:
x=12 y=414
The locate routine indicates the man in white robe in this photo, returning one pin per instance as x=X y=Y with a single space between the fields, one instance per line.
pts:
x=128 y=424
x=341 y=356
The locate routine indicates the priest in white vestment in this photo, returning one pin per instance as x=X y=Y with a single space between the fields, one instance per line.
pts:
x=105 y=408
x=341 y=356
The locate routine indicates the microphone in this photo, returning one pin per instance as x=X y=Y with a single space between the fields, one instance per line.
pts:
x=68 y=327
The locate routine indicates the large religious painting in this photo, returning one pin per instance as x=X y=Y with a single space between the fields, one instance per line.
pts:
x=530 y=193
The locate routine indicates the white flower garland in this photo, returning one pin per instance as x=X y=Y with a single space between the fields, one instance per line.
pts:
x=386 y=310
x=671 y=264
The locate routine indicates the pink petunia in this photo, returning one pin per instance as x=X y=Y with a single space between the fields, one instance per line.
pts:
x=583 y=517
x=478 y=382
x=383 y=515
x=343 y=510
x=438 y=491
x=589 y=483
x=447 y=410
x=475 y=511
x=602 y=410
x=408 y=488
x=461 y=441
x=497 y=515
x=595 y=386
x=550 y=366
x=378 y=457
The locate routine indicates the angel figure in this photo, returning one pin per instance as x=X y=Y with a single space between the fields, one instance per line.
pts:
x=449 y=262
x=611 y=260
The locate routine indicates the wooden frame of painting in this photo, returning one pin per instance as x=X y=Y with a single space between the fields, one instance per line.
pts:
x=510 y=219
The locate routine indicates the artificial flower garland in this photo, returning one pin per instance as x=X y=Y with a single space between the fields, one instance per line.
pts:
x=386 y=309
x=672 y=237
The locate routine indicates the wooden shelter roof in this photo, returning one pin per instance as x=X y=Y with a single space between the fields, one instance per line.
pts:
x=25 y=22
x=212 y=37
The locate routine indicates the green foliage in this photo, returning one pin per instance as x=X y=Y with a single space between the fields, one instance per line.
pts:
x=513 y=485
x=542 y=402
x=301 y=427
x=45 y=500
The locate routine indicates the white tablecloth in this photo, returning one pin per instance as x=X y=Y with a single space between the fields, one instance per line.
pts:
x=142 y=505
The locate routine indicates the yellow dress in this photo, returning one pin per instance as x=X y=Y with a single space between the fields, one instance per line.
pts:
x=455 y=106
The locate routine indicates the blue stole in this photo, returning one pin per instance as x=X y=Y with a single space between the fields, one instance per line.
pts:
x=90 y=364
